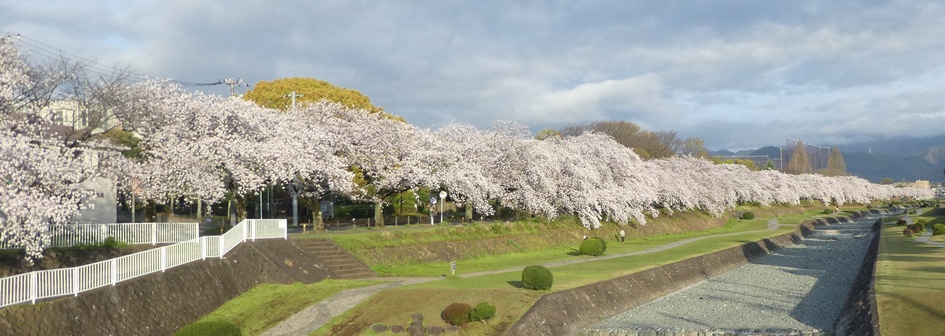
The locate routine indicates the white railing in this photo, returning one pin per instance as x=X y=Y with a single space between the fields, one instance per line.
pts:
x=129 y=233
x=38 y=285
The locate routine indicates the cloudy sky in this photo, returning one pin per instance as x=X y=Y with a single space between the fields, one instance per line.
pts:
x=739 y=74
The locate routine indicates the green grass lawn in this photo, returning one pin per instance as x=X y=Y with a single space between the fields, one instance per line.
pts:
x=260 y=309
x=910 y=284
x=264 y=306
x=504 y=289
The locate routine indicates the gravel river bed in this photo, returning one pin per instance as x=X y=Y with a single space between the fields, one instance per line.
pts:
x=796 y=290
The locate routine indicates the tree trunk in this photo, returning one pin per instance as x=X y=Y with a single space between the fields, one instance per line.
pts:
x=199 y=211
x=295 y=202
x=317 y=217
x=469 y=212
x=379 y=213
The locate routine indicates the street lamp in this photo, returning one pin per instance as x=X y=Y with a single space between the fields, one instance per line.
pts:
x=442 y=200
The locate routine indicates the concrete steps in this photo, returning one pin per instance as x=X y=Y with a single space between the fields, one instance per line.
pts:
x=339 y=263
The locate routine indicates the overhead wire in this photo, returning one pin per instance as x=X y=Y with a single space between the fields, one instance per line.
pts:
x=41 y=49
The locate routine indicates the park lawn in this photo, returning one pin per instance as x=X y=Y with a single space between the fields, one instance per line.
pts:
x=505 y=292
x=541 y=256
x=266 y=305
x=910 y=285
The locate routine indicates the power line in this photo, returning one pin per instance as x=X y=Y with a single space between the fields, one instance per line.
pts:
x=41 y=49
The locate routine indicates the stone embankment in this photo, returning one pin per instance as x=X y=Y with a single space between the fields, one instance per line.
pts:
x=162 y=303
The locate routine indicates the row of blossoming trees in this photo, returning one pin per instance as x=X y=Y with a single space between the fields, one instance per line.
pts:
x=207 y=147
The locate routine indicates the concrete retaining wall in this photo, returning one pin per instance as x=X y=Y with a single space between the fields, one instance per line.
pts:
x=568 y=311
x=859 y=315
x=156 y=304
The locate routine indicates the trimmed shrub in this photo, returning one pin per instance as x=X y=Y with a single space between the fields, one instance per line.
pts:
x=538 y=277
x=456 y=313
x=938 y=229
x=917 y=228
x=901 y=222
x=748 y=215
x=828 y=211
x=907 y=232
x=603 y=242
x=483 y=311
x=592 y=247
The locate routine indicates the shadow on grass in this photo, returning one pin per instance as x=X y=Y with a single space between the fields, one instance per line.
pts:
x=575 y=253
x=210 y=328
x=927 y=308
x=517 y=284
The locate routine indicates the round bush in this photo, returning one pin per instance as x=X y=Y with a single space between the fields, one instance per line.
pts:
x=938 y=229
x=592 y=247
x=917 y=228
x=537 y=277
x=456 y=313
x=603 y=243
x=748 y=215
x=483 y=311
x=901 y=222
x=907 y=232
x=828 y=211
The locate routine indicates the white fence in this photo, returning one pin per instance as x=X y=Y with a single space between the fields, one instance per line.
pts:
x=37 y=285
x=130 y=233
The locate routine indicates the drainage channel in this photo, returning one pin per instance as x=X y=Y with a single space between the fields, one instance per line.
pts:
x=797 y=290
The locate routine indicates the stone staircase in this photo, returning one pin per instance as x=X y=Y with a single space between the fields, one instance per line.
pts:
x=339 y=263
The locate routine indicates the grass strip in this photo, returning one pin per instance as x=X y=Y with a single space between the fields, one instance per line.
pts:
x=505 y=292
x=910 y=284
x=266 y=305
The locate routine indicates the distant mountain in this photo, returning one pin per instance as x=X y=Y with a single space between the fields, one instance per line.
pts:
x=926 y=164
x=899 y=146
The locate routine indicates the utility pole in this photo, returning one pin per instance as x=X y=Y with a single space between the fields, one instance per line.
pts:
x=293 y=95
x=294 y=184
x=233 y=82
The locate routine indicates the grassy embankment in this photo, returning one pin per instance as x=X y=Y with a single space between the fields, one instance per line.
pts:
x=264 y=306
x=504 y=289
x=422 y=251
x=910 y=281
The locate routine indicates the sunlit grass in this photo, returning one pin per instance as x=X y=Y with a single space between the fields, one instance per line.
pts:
x=910 y=285
x=266 y=305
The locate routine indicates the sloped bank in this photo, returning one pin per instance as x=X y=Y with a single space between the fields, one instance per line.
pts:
x=158 y=303
x=567 y=312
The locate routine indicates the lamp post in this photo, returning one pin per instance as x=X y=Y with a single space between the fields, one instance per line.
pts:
x=432 y=204
x=442 y=200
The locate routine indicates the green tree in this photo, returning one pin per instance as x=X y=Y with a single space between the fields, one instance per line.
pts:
x=835 y=164
x=800 y=163
x=547 y=133
x=277 y=94
x=887 y=180
x=694 y=147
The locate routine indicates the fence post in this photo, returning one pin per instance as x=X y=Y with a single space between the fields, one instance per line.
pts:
x=285 y=229
x=163 y=258
x=252 y=230
x=33 y=285
x=75 y=281
x=221 y=243
x=203 y=247
x=153 y=234
x=114 y=265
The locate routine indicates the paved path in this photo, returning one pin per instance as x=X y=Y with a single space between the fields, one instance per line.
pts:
x=313 y=317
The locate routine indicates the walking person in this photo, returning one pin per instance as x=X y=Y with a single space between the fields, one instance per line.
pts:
x=623 y=234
